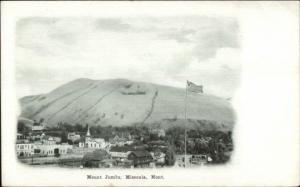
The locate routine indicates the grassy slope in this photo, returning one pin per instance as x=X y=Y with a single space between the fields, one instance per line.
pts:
x=101 y=102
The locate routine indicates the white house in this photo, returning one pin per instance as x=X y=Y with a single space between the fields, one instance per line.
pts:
x=25 y=149
x=48 y=140
x=119 y=153
x=95 y=143
x=38 y=126
x=159 y=132
x=73 y=136
x=52 y=149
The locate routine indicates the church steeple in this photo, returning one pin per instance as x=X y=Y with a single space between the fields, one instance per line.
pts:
x=88 y=134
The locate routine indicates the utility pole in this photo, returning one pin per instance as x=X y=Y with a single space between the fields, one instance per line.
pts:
x=185 y=116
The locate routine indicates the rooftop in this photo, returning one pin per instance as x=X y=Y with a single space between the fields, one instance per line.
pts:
x=141 y=153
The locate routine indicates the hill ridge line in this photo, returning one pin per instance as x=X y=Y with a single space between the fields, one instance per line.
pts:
x=43 y=107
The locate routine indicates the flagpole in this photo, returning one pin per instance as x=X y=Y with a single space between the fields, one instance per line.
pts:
x=185 y=114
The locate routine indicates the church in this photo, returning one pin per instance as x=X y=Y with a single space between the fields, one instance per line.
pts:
x=94 y=143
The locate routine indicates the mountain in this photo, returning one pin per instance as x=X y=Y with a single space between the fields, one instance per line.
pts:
x=120 y=102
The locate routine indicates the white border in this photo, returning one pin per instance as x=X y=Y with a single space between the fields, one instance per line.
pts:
x=267 y=103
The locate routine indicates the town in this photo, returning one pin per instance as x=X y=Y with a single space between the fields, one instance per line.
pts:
x=135 y=146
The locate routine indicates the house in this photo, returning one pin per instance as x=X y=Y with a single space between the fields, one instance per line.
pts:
x=21 y=136
x=24 y=149
x=119 y=153
x=97 y=158
x=158 y=157
x=199 y=159
x=180 y=160
x=51 y=149
x=158 y=144
x=94 y=143
x=48 y=140
x=140 y=158
x=57 y=139
x=121 y=139
x=38 y=126
x=73 y=136
x=158 y=132
x=129 y=142
x=36 y=136
x=117 y=141
x=107 y=163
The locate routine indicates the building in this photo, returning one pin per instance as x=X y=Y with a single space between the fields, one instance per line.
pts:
x=38 y=126
x=180 y=160
x=48 y=140
x=24 y=149
x=196 y=159
x=199 y=159
x=51 y=149
x=97 y=158
x=140 y=158
x=73 y=136
x=94 y=143
x=35 y=136
x=121 y=139
x=158 y=157
x=158 y=132
x=119 y=153
x=21 y=136
x=117 y=141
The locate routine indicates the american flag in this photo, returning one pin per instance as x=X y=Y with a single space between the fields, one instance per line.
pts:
x=192 y=87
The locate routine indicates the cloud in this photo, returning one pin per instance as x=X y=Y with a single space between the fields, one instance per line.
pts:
x=165 y=51
x=178 y=35
x=207 y=35
x=112 y=24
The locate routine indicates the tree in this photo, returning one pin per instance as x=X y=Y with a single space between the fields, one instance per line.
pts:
x=153 y=137
x=22 y=127
x=78 y=128
x=64 y=136
x=42 y=120
x=170 y=156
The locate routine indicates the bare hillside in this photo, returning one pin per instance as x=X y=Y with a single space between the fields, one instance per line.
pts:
x=120 y=102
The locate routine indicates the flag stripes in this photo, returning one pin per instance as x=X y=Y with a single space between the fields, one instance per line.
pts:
x=192 y=87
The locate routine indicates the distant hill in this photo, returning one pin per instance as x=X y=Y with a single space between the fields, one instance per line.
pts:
x=120 y=102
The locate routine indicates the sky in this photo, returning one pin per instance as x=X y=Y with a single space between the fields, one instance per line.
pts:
x=162 y=50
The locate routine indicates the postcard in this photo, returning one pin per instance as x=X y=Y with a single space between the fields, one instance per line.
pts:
x=150 y=93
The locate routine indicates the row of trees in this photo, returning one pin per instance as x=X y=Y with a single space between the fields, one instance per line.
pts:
x=214 y=143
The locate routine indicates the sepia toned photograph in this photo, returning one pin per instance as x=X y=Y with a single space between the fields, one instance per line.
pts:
x=126 y=92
